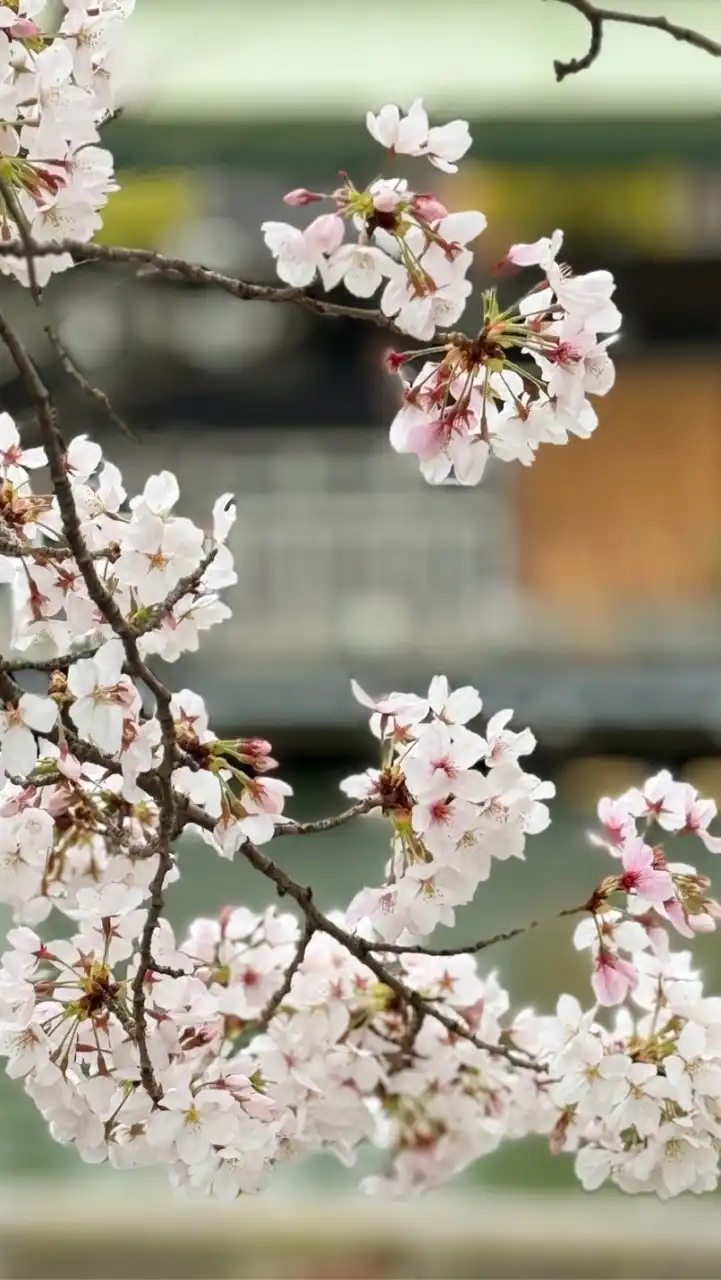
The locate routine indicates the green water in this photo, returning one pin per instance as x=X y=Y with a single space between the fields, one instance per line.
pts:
x=561 y=869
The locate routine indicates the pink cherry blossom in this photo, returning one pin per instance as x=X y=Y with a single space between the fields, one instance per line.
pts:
x=613 y=978
x=439 y=764
x=640 y=874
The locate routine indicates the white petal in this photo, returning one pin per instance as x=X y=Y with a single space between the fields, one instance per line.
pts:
x=19 y=752
x=38 y=713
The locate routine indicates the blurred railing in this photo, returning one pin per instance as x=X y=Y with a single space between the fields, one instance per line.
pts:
x=119 y=1229
x=344 y=551
x=342 y=548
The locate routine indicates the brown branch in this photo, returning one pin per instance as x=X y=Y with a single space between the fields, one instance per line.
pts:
x=315 y=919
x=173 y=816
x=596 y=18
x=195 y=273
x=472 y=948
x=10 y=692
x=140 y=625
x=92 y=392
x=53 y=664
x=278 y=997
x=363 y=951
x=328 y=824
x=183 y=587
x=175 y=812
x=44 y=555
x=166 y=970
x=10 y=199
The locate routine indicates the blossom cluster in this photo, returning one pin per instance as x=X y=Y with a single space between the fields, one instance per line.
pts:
x=56 y=89
x=637 y=1102
x=259 y=1039
x=72 y=753
x=635 y=829
x=524 y=375
x=253 y=1041
x=337 y=1064
x=456 y=800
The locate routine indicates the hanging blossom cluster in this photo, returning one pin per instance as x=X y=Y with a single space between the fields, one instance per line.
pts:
x=457 y=801
x=56 y=89
x=637 y=1096
x=523 y=377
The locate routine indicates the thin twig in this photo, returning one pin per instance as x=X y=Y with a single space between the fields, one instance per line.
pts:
x=46 y=555
x=195 y=273
x=183 y=587
x=359 y=948
x=93 y=393
x=278 y=997
x=166 y=970
x=25 y=235
x=328 y=824
x=596 y=18
x=472 y=948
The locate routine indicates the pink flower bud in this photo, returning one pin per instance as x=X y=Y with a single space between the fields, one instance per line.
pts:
x=386 y=199
x=224 y=918
x=256 y=752
x=429 y=207
x=236 y=1082
x=23 y=29
x=394 y=360
x=300 y=196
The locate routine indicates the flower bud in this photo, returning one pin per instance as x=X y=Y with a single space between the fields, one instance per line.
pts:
x=255 y=752
x=386 y=199
x=23 y=29
x=394 y=360
x=428 y=207
x=300 y=196
x=224 y=918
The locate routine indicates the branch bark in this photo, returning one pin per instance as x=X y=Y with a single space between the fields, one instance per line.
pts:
x=195 y=273
x=597 y=17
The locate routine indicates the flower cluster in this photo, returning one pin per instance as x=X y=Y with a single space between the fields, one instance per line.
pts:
x=635 y=829
x=639 y=1102
x=337 y=1063
x=449 y=816
x=252 y=1041
x=56 y=88
x=523 y=378
x=72 y=757
x=257 y=1039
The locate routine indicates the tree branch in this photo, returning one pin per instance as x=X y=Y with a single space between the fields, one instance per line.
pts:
x=363 y=951
x=472 y=948
x=327 y=824
x=278 y=997
x=596 y=18
x=195 y=273
x=92 y=392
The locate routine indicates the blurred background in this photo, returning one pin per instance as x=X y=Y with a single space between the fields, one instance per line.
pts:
x=585 y=593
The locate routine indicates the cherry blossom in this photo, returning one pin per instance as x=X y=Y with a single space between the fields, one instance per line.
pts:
x=259 y=1038
x=19 y=748
x=101 y=696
